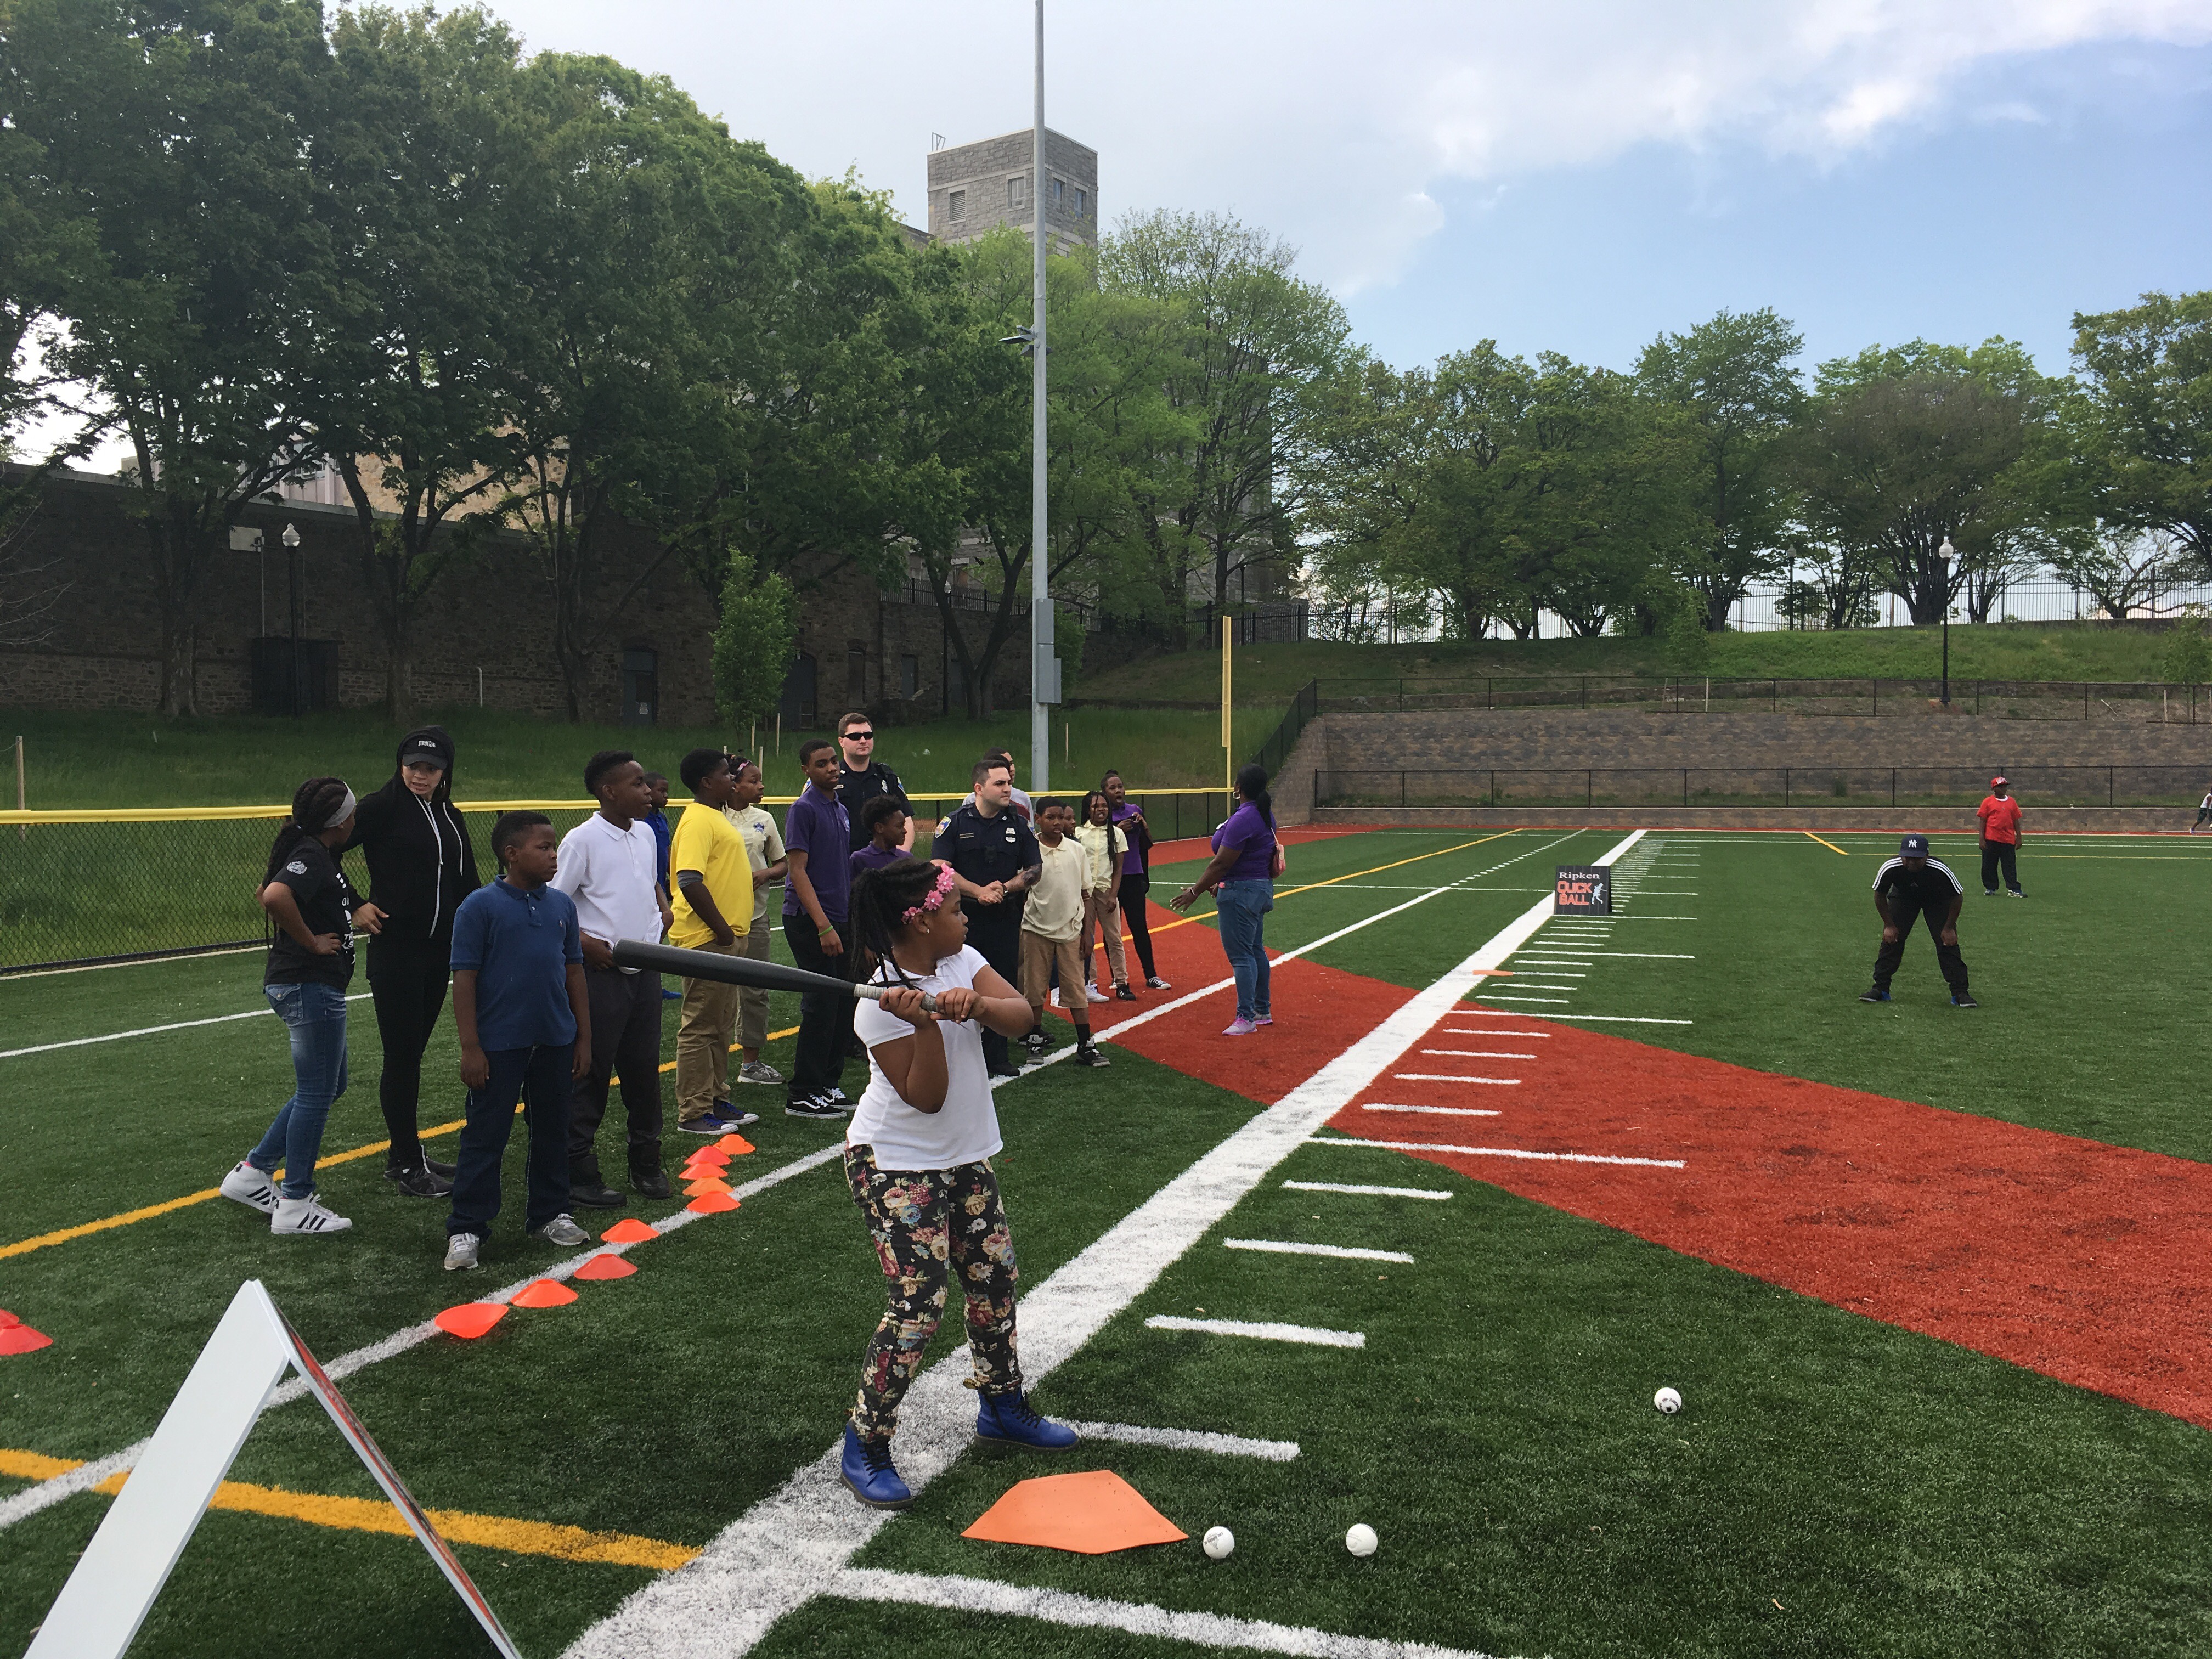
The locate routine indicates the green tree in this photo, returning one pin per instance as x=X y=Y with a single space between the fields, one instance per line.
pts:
x=1689 y=649
x=755 y=637
x=2187 y=659
x=2149 y=370
x=1732 y=380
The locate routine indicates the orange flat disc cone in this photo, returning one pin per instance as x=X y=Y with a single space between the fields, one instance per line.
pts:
x=7 y=1318
x=605 y=1266
x=1092 y=1514
x=704 y=1185
x=703 y=1172
x=631 y=1231
x=734 y=1142
x=712 y=1203
x=471 y=1320
x=712 y=1155
x=20 y=1338
x=545 y=1293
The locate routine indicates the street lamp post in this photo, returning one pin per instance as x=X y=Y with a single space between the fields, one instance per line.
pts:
x=1044 y=689
x=1943 y=556
x=291 y=540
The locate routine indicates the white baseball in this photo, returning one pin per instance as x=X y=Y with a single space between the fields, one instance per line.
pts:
x=1667 y=1401
x=1360 y=1540
x=1218 y=1541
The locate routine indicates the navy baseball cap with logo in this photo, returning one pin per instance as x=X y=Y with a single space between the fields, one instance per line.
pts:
x=1913 y=846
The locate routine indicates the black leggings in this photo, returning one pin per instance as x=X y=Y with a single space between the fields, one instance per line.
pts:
x=1888 y=959
x=1132 y=895
x=407 y=980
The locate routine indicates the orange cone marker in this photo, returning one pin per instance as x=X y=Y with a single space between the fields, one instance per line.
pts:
x=1092 y=1514
x=20 y=1338
x=708 y=1155
x=7 y=1318
x=471 y=1320
x=631 y=1231
x=544 y=1293
x=704 y=1185
x=711 y=1204
x=734 y=1142
x=606 y=1267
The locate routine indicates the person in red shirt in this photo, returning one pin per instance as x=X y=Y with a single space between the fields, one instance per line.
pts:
x=2000 y=816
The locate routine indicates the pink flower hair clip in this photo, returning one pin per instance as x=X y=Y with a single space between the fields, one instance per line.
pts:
x=938 y=894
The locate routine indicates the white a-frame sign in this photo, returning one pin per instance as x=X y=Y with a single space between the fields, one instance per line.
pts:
x=130 y=1557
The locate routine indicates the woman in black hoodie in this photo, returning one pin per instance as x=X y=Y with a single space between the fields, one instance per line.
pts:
x=421 y=866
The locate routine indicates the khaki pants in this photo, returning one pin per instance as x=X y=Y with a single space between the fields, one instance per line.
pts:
x=752 y=1001
x=703 y=1036
x=1040 y=956
x=1102 y=911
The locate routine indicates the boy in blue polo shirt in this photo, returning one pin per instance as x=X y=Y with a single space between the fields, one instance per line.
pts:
x=525 y=1028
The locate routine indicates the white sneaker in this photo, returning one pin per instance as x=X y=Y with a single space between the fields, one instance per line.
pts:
x=1094 y=994
x=248 y=1186
x=461 y=1253
x=758 y=1070
x=306 y=1215
x=561 y=1230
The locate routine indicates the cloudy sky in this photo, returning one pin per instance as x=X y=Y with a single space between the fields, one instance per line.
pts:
x=1578 y=175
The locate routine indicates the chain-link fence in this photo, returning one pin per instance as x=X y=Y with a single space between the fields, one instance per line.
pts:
x=78 y=888
x=1755 y=785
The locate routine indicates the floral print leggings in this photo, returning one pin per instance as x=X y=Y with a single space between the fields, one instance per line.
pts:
x=926 y=1223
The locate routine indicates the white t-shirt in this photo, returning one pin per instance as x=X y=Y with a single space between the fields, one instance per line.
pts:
x=763 y=847
x=965 y=1129
x=611 y=875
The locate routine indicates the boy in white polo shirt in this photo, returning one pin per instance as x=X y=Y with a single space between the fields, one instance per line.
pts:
x=610 y=869
x=1051 y=919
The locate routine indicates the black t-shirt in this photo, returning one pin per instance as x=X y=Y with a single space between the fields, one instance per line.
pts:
x=857 y=789
x=327 y=901
x=1932 y=888
x=985 y=850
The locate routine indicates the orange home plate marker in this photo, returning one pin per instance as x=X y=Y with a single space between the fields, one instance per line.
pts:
x=605 y=1266
x=19 y=1338
x=629 y=1231
x=471 y=1320
x=1093 y=1514
x=712 y=1203
x=704 y=1185
x=544 y=1293
x=734 y=1142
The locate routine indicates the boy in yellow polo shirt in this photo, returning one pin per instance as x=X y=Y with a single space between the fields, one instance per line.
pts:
x=713 y=879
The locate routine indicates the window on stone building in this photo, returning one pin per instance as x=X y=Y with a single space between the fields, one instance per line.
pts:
x=856 y=677
x=1017 y=191
x=955 y=204
x=1059 y=191
x=640 y=685
x=798 y=704
x=909 y=675
x=1082 y=202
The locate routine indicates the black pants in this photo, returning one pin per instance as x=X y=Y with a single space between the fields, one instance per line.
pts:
x=625 y=1039
x=1947 y=956
x=1132 y=895
x=1995 y=852
x=407 y=979
x=540 y=1077
x=996 y=931
x=825 y=1018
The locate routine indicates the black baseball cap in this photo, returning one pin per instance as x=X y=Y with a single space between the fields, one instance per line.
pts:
x=1913 y=846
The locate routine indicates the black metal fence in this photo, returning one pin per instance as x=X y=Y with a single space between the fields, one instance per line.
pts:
x=1285 y=738
x=2177 y=787
x=2142 y=701
x=82 y=888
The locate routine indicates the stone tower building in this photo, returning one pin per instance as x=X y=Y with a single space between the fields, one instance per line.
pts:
x=975 y=188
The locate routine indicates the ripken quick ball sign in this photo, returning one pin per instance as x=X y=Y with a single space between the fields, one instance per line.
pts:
x=1583 y=890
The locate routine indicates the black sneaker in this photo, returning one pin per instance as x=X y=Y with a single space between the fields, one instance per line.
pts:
x=1875 y=994
x=1123 y=993
x=594 y=1193
x=419 y=1183
x=443 y=1172
x=813 y=1106
x=1961 y=1000
x=1005 y=1071
x=1087 y=1055
x=1036 y=1042
x=650 y=1184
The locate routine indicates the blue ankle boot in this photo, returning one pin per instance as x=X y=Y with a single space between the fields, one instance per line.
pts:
x=867 y=1470
x=1009 y=1419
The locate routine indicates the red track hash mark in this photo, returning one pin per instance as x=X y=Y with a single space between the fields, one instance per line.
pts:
x=2073 y=1258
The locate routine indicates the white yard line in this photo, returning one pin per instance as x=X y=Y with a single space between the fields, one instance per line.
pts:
x=1221 y=1445
x=795 y=1544
x=1620 y=1019
x=1262 y=1330
x=1476 y=1054
x=1342 y=1252
x=1067 y=1607
x=1453 y=1077
x=1561 y=1001
x=1364 y=1192
x=1456 y=1030
x=155 y=1030
x=1441 y=1111
x=1498 y=1151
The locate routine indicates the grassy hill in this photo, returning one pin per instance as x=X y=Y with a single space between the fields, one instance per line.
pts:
x=2024 y=651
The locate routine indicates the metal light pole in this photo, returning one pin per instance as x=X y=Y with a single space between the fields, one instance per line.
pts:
x=1943 y=556
x=1044 y=670
x=291 y=540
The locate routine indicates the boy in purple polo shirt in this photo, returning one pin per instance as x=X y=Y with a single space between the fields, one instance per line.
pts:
x=817 y=843
x=884 y=821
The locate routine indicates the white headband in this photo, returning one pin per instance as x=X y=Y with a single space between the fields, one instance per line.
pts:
x=344 y=812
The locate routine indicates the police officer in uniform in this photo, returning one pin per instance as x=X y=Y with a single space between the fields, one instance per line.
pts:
x=862 y=778
x=1909 y=887
x=995 y=859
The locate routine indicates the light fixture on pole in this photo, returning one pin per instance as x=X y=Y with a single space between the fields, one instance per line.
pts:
x=291 y=540
x=1943 y=557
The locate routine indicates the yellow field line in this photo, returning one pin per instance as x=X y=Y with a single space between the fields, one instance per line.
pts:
x=1830 y=845
x=494 y=1532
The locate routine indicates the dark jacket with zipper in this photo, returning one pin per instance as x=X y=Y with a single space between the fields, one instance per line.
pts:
x=421 y=862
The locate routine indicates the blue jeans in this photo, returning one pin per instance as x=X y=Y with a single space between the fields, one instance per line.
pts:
x=1243 y=907
x=316 y=1015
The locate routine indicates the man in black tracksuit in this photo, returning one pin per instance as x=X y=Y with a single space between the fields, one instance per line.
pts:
x=1909 y=887
x=995 y=860
x=421 y=866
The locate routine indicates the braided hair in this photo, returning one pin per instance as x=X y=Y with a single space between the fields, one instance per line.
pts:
x=880 y=898
x=312 y=803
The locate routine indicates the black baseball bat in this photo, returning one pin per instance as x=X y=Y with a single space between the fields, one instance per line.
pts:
x=743 y=970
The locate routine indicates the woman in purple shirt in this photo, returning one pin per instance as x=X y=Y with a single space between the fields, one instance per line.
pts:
x=1247 y=859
